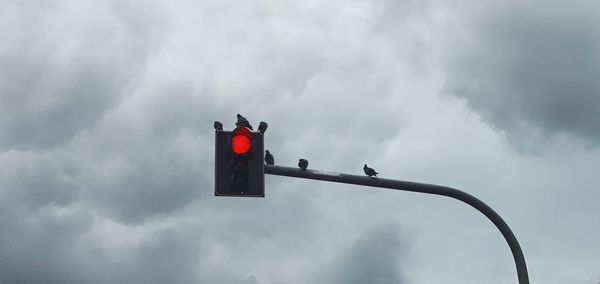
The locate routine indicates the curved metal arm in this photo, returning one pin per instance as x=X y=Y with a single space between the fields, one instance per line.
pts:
x=417 y=187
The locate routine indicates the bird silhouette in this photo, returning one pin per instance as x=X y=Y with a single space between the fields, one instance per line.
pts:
x=269 y=158
x=369 y=171
x=303 y=164
x=262 y=127
x=243 y=122
x=218 y=126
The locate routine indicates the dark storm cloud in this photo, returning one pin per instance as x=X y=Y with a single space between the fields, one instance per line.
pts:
x=92 y=141
x=135 y=171
x=35 y=181
x=529 y=69
x=116 y=183
x=50 y=246
x=63 y=67
x=379 y=257
x=60 y=74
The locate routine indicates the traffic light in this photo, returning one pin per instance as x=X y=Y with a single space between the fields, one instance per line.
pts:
x=239 y=167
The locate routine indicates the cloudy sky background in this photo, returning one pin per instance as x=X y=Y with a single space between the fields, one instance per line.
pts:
x=106 y=139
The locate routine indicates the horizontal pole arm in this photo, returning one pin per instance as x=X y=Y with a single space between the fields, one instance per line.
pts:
x=508 y=235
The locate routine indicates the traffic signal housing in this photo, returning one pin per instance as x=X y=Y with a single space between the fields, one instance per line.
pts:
x=239 y=167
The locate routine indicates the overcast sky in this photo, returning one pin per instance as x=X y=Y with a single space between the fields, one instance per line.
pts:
x=107 y=150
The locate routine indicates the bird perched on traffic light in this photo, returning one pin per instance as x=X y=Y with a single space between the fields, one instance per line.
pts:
x=369 y=171
x=303 y=164
x=218 y=126
x=269 y=158
x=243 y=122
x=262 y=127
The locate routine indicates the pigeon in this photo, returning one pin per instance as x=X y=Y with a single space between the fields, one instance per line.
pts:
x=218 y=126
x=369 y=171
x=262 y=127
x=303 y=164
x=243 y=122
x=269 y=158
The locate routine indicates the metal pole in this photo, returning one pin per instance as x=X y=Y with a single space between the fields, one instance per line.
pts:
x=416 y=187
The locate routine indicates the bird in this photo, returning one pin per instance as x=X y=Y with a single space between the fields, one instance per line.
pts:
x=243 y=122
x=218 y=126
x=269 y=158
x=262 y=127
x=303 y=164
x=370 y=171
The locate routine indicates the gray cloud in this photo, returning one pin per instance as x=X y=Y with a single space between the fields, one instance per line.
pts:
x=135 y=171
x=379 y=257
x=51 y=246
x=529 y=69
x=61 y=73
x=115 y=183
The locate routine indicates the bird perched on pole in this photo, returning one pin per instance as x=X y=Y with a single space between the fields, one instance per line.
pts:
x=218 y=126
x=269 y=158
x=303 y=164
x=262 y=127
x=243 y=122
x=370 y=171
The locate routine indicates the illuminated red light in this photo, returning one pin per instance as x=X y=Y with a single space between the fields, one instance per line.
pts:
x=241 y=140
x=240 y=144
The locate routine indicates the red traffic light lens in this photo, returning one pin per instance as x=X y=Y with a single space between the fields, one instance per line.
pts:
x=240 y=144
x=241 y=140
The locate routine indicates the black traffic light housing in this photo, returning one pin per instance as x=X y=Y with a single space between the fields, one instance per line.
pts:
x=239 y=171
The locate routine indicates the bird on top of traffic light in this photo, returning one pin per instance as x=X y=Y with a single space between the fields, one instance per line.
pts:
x=303 y=164
x=269 y=158
x=262 y=127
x=370 y=171
x=218 y=125
x=243 y=122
